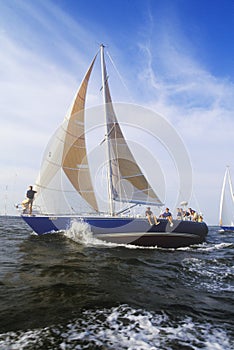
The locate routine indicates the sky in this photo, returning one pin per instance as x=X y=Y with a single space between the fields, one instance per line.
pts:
x=175 y=57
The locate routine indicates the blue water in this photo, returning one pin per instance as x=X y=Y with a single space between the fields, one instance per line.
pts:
x=70 y=291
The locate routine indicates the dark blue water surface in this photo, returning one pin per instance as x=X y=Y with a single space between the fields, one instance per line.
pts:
x=70 y=291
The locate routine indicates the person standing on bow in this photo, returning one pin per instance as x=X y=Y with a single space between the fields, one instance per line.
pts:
x=149 y=214
x=30 y=196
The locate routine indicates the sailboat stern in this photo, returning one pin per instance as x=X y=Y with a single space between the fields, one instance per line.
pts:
x=182 y=234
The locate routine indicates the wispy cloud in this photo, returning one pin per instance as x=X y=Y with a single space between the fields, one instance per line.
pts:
x=190 y=97
x=36 y=87
x=179 y=86
x=28 y=112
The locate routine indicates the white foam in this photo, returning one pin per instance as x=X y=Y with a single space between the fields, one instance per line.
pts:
x=211 y=246
x=213 y=275
x=80 y=232
x=123 y=327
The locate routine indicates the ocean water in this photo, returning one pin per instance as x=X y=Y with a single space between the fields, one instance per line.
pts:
x=70 y=291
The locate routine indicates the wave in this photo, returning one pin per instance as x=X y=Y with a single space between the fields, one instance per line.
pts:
x=213 y=275
x=122 y=327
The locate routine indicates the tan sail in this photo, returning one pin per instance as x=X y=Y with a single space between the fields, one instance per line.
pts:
x=74 y=160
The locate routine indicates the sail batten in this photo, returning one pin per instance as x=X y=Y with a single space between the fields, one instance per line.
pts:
x=131 y=176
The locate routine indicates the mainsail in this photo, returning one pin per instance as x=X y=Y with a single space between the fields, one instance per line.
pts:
x=227 y=201
x=128 y=183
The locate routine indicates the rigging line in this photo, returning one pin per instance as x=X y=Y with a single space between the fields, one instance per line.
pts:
x=105 y=82
x=198 y=206
x=127 y=209
x=120 y=76
x=107 y=135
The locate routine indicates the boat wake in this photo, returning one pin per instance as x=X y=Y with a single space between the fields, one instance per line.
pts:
x=212 y=246
x=122 y=327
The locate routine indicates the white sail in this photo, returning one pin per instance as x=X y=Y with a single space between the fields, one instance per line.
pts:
x=227 y=202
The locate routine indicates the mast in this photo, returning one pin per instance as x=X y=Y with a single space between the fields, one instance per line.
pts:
x=5 y=206
x=109 y=170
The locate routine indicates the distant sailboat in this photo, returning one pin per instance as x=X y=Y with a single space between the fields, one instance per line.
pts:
x=65 y=181
x=226 y=217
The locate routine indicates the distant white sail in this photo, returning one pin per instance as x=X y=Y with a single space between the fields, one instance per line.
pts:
x=227 y=202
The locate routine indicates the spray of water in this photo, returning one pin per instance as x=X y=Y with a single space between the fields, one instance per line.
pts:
x=81 y=233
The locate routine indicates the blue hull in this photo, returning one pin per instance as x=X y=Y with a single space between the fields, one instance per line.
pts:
x=228 y=228
x=135 y=231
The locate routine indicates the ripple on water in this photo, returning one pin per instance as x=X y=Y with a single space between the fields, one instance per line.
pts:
x=211 y=275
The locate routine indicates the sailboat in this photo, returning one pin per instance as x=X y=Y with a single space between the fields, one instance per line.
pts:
x=65 y=190
x=226 y=216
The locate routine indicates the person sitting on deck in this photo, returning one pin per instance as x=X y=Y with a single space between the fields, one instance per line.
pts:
x=150 y=215
x=193 y=216
x=167 y=215
x=200 y=218
x=180 y=214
